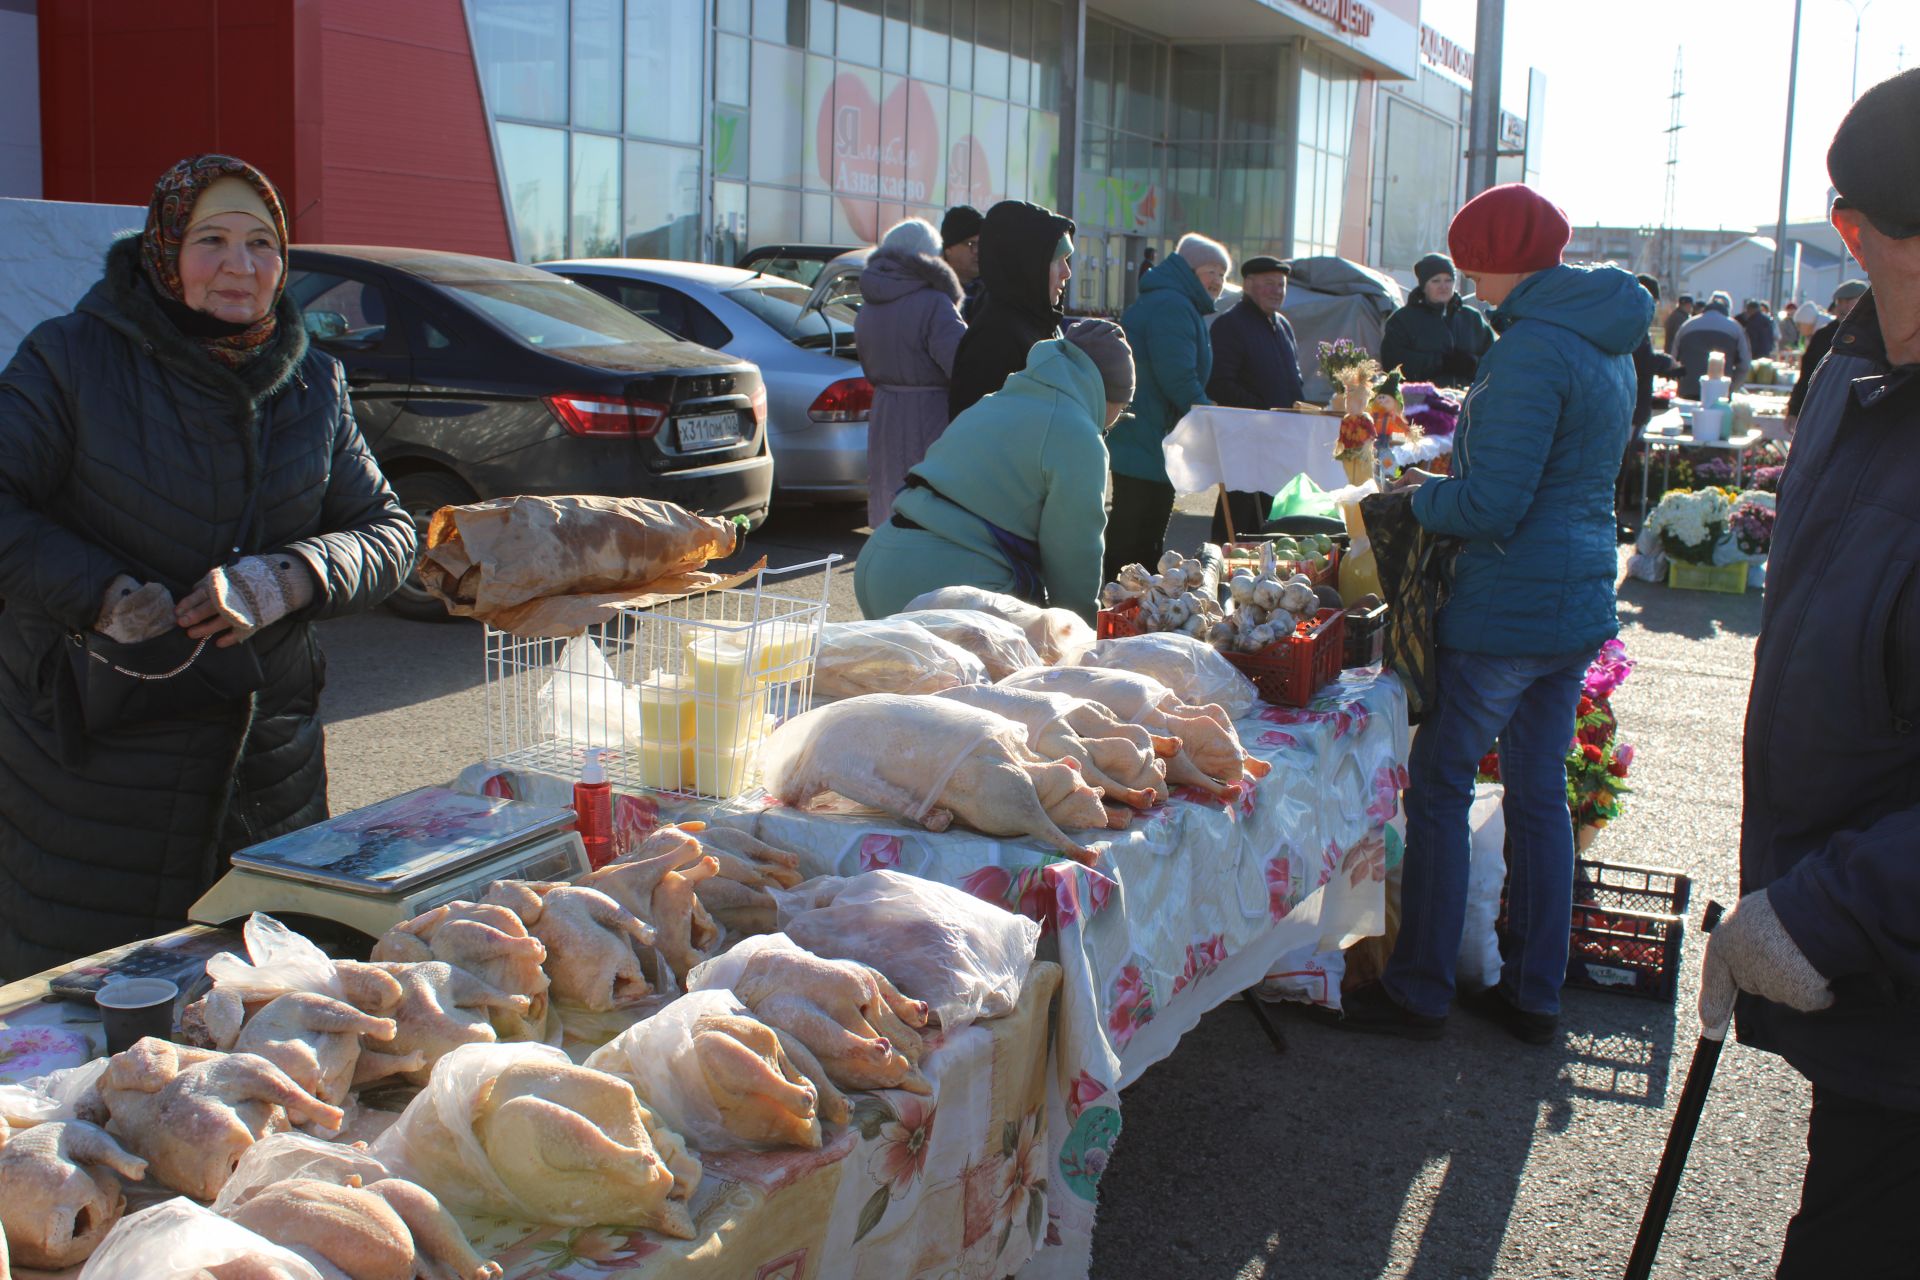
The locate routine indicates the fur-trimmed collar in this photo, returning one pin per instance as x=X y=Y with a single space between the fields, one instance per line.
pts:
x=124 y=299
x=894 y=273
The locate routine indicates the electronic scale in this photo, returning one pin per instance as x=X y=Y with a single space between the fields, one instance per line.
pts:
x=375 y=867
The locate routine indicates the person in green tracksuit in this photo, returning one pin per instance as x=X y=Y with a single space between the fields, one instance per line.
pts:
x=1168 y=330
x=1011 y=498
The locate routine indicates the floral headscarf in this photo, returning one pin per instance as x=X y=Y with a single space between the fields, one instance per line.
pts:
x=174 y=197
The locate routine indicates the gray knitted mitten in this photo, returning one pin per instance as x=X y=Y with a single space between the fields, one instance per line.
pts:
x=258 y=591
x=1752 y=951
x=132 y=613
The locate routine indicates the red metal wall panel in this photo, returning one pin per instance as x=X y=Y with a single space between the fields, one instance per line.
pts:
x=366 y=114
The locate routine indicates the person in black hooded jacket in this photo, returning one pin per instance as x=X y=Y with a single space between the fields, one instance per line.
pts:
x=1436 y=337
x=1020 y=244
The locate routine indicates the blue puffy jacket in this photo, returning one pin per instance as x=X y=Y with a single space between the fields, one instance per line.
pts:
x=1172 y=360
x=1534 y=463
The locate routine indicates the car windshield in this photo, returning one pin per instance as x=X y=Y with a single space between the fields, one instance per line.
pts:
x=784 y=306
x=561 y=316
x=803 y=270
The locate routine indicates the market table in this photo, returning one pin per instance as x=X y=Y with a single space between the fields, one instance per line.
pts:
x=1666 y=432
x=1191 y=905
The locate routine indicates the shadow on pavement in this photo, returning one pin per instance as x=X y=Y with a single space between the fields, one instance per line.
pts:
x=1698 y=615
x=440 y=658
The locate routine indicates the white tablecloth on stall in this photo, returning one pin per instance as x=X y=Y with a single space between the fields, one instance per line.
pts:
x=1188 y=906
x=1253 y=450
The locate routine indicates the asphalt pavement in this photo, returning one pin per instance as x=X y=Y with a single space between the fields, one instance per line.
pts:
x=1349 y=1156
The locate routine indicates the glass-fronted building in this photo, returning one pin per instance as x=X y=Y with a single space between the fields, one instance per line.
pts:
x=697 y=128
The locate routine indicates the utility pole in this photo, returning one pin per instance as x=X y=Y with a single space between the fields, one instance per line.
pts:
x=1670 y=257
x=1786 y=162
x=1483 y=115
x=1859 y=9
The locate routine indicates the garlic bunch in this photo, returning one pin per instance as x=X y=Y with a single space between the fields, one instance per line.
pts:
x=1173 y=599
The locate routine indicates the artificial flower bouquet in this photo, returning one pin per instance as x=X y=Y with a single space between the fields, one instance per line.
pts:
x=1598 y=761
x=1691 y=523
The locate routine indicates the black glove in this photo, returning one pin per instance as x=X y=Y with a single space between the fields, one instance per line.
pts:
x=1460 y=367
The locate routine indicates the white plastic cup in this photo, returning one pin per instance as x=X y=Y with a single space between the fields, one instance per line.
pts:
x=132 y=1009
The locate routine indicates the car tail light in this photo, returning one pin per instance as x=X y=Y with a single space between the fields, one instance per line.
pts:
x=585 y=414
x=847 y=400
x=760 y=404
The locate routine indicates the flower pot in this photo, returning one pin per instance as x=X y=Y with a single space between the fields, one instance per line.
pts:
x=1583 y=836
x=1730 y=578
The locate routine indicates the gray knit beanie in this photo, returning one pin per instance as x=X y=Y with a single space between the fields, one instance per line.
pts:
x=1106 y=345
x=915 y=235
x=1202 y=252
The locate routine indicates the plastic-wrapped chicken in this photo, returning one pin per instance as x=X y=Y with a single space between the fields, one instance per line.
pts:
x=1057 y=635
x=889 y=656
x=998 y=643
x=1193 y=669
x=178 y=1240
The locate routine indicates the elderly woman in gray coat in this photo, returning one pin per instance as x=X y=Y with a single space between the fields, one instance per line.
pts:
x=908 y=330
x=183 y=494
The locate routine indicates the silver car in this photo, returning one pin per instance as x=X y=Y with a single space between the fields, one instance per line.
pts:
x=802 y=339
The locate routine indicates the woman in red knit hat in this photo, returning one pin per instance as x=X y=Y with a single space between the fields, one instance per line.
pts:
x=1531 y=499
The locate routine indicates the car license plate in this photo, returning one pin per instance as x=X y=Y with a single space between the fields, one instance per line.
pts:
x=709 y=431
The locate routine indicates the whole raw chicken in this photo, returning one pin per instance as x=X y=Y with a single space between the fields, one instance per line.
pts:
x=848 y=1015
x=740 y=897
x=930 y=760
x=315 y=1039
x=488 y=941
x=60 y=1192
x=1210 y=755
x=441 y=1008
x=215 y=1020
x=885 y=656
x=594 y=945
x=1193 y=669
x=388 y=1230
x=1123 y=766
x=573 y=1146
x=1000 y=645
x=192 y=1113
x=659 y=883
x=1057 y=635
x=761 y=1095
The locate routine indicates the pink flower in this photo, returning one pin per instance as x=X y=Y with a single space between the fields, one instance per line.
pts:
x=1386 y=795
x=1099 y=891
x=1328 y=861
x=1279 y=875
x=1624 y=754
x=1082 y=1090
x=1066 y=893
x=1275 y=738
x=990 y=883
x=1132 y=1005
x=902 y=1154
x=879 y=851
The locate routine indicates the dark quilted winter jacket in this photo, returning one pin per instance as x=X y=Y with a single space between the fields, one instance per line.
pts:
x=124 y=448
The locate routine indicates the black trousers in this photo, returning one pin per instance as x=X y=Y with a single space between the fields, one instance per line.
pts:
x=1249 y=512
x=1137 y=523
x=1856 y=1216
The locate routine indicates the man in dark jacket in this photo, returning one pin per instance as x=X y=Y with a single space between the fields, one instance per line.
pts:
x=1819 y=343
x=1824 y=948
x=1436 y=337
x=1023 y=264
x=960 y=249
x=1255 y=366
x=1681 y=313
x=1712 y=330
x=1761 y=331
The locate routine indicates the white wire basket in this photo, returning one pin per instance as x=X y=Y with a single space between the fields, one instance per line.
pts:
x=681 y=695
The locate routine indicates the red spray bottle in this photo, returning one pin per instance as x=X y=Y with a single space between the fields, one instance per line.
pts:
x=593 y=809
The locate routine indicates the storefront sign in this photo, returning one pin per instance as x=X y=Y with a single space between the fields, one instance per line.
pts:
x=1513 y=133
x=882 y=155
x=1444 y=55
x=1350 y=16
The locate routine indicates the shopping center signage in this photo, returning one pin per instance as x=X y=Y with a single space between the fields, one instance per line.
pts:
x=1350 y=16
x=1385 y=32
x=1444 y=55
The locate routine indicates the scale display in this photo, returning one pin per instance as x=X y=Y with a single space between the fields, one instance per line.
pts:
x=391 y=847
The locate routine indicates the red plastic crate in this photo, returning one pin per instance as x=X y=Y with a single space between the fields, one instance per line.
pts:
x=1289 y=672
x=1116 y=624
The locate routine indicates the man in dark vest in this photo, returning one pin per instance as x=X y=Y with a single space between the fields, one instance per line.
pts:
x=1255 y=366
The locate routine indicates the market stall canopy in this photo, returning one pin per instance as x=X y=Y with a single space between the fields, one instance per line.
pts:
x=1332 y=298
x=51 y=252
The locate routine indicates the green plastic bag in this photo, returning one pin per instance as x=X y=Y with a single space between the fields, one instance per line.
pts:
x=1304 y=507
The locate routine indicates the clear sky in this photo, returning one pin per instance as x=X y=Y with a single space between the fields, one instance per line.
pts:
x=1609 y=70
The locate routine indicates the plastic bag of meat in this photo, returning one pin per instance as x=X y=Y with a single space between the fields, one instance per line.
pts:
x=930 y=761
x=886 y=656
x=178 y=1240
x=1001 y=645
x=965 y=957
x=716 y=1075
x=1060 y=636
x=1193 y=669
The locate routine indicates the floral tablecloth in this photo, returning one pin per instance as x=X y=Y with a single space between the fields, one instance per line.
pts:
x=1190 y=905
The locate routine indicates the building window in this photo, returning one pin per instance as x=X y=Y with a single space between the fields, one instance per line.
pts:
x=661 y=213
x=521 y=46
x=665 y=49
x=596 y=65
x=594 y=228
x=534 y=164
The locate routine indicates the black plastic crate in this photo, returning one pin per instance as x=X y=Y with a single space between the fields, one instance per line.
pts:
x=1630 y=952
x=1660 y=890
x=1366 y=636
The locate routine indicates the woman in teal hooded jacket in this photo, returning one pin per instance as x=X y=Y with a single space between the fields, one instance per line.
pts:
x=1531 y=498
x=1011 y=497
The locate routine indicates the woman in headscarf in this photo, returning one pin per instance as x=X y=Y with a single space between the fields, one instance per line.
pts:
x=907 y=331
x=183 y=494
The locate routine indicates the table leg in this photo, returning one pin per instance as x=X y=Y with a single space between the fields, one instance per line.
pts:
x=1646 y=457
x=1258 y=1008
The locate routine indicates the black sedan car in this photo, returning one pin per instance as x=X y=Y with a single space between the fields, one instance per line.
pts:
x=475 y=378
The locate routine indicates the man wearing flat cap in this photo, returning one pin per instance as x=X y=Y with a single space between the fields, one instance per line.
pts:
x=1256 y=365
x=1436 y=337
x=1820 y=960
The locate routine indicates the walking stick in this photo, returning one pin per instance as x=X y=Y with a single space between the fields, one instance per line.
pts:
x=1686 y=1119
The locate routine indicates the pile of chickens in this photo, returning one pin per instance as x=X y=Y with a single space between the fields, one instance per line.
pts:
x=1045 y=751
x=464 y=1007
